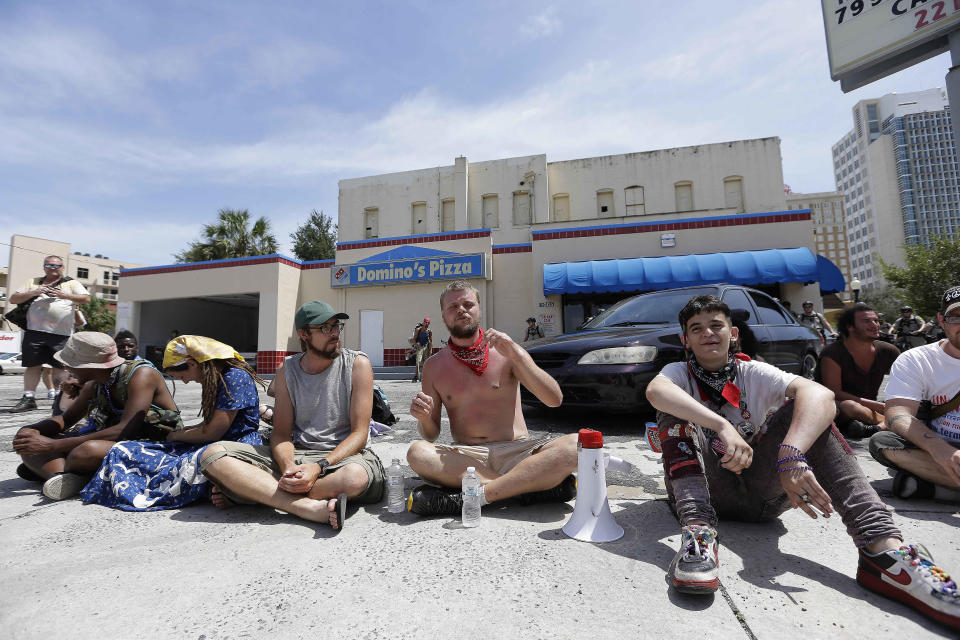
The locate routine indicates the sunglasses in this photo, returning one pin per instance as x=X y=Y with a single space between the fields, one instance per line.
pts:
x=951 y=319
x=52 y=266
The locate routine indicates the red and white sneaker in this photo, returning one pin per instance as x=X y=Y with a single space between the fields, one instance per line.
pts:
x=909 y=575
x=696 y=567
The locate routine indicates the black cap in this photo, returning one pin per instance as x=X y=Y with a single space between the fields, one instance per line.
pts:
x=531 y=319
x=950 y=300
x=906 y=308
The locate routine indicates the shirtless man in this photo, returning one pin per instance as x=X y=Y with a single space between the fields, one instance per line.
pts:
x=65 y=458
x=853 y=369
x=477 y=378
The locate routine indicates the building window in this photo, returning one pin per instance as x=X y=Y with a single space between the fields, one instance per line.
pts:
x=634 y=199
x=561 y=207
x=418 y=218
x=371 y=222
x=683 y=192
x=605 y=203
x=83 y=273
x=491 y=211
x=733 y=194
x=521 y=208
x=448 y=218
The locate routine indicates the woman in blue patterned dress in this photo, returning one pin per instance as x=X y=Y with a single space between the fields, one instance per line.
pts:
x=148 y=476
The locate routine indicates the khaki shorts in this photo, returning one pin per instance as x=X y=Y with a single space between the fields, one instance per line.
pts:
x=260 y=456
x=501 y=457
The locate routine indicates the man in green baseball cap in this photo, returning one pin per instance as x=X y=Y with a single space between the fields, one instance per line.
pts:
x=319 y=455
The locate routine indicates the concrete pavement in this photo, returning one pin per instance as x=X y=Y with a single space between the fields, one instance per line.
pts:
x=85 y=571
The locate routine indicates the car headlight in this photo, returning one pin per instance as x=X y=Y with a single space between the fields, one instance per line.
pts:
x=619 y=355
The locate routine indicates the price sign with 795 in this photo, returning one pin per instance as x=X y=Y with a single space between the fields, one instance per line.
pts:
x=929 y=12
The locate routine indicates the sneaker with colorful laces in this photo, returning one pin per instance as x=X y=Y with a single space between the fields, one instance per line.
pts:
x=908 y=574
x=696 y=567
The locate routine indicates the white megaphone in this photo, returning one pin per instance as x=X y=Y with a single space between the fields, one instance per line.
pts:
x=591 y=520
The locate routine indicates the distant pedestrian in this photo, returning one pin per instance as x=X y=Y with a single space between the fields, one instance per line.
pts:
x=50 y=321
x=533 y=330
x=908 y=328
x=423 y=344
x=815 y=320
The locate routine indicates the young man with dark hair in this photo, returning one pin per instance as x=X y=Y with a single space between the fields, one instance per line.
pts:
x=732 y=448
x=923 y=413
x=854 y=367
x=477 y=377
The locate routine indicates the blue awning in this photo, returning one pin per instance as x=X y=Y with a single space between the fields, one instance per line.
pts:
x=831 y=278
x=668 y=272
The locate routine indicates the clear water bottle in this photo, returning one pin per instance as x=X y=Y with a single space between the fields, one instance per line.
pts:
x=470 y=517
x=395 y=487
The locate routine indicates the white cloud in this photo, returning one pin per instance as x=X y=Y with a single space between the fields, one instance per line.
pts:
x=541 y=25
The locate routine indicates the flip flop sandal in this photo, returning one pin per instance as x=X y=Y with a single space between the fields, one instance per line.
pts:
x=341 y=511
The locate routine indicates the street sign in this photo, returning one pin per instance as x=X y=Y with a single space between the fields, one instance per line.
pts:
x=870 y=39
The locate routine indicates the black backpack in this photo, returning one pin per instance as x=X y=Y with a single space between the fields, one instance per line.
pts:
x=381 y=408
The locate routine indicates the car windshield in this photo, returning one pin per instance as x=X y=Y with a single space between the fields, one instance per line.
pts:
x=8 y=356
x=651 y=308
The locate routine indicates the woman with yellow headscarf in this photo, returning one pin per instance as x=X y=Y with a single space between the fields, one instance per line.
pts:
x=147 y=476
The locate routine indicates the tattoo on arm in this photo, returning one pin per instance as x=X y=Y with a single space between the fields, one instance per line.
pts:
x=897 y=418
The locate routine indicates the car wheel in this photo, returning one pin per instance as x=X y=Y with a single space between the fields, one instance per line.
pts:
x=808 y=366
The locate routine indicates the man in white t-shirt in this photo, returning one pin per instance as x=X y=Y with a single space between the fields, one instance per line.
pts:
x=923 y=413
x=50 y=321
x=734 y=448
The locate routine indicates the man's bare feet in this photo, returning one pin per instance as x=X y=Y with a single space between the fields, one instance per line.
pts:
x=219 y=500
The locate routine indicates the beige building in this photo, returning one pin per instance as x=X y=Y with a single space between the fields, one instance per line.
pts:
x=554 y=240
x=829 y=228
x=98 y=273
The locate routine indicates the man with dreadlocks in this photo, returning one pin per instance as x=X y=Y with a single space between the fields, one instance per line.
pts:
x=125 y=400
x=477 y=377
x=149 y=476
x=732 y=448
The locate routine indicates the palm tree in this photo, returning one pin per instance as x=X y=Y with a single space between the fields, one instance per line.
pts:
x=231 y=237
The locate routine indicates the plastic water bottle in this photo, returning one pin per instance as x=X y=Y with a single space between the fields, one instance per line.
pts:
x=395 y=487
x=470 y=486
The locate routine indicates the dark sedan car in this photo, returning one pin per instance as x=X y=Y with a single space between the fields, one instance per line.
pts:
x=607 y=363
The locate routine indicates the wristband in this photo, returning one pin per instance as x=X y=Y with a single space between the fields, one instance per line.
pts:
x=323 y=464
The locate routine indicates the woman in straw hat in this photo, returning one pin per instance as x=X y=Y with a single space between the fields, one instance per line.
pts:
x=148 y=476
x=126 y=400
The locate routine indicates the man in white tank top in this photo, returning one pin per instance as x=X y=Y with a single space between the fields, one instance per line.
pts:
x=318 y=456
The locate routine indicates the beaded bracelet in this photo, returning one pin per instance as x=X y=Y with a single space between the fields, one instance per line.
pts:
x=799 y=458
x=805 y=468
x=790 y=446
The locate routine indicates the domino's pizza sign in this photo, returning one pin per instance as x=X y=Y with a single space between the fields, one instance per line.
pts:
x=424 y=269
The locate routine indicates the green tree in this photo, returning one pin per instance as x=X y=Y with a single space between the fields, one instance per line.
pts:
x=231 y=237
x=886 y=300
x=315 y=239
x=929 y=271
x=100 y=317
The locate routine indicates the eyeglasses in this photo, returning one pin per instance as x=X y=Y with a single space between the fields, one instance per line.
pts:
x=327 y=329
x=951 y=319
x=52 y=266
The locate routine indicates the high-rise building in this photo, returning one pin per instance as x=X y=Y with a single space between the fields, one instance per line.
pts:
x=829 y=227
x=898 y=174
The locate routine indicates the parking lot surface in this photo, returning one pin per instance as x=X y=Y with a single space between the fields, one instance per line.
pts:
x=86 y=571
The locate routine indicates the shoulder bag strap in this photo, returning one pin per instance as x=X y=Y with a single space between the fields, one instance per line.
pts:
x=944 y=409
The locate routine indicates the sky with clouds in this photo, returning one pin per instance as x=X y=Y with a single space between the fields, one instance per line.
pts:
x=124 y=126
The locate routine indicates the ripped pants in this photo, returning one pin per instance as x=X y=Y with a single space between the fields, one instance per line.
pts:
x=700 y=489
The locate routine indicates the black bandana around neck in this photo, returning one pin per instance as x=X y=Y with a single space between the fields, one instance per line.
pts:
x=715 y=383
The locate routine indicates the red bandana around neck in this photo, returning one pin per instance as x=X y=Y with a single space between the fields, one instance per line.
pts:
x=473 y=356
